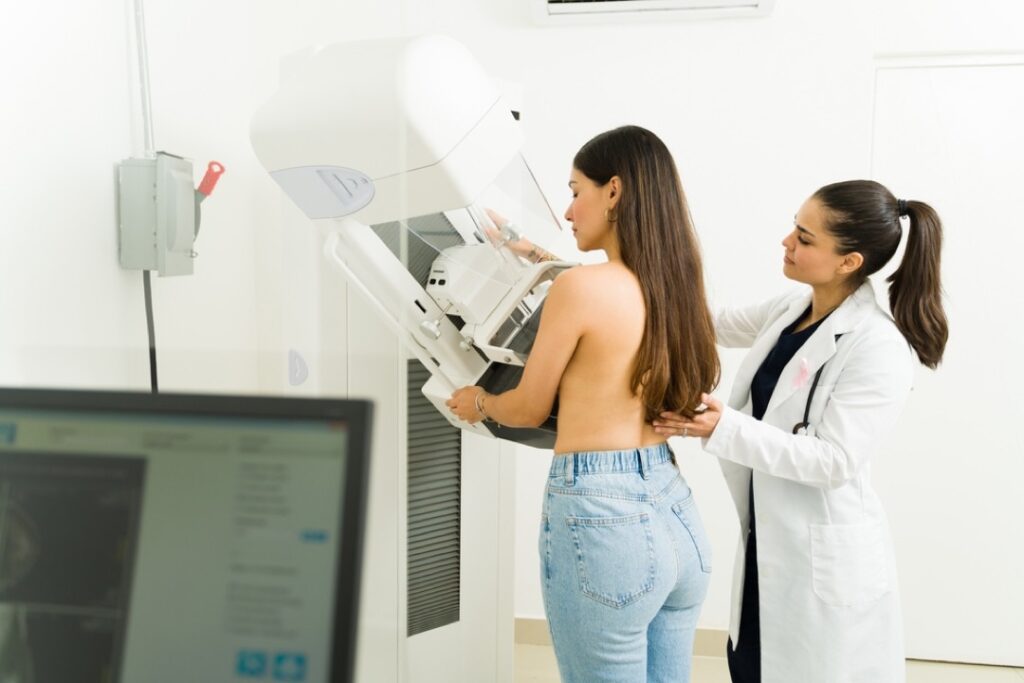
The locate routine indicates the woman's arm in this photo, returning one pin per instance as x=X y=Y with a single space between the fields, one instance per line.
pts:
x=529 y=404
x=862 y=408
x=508 y=236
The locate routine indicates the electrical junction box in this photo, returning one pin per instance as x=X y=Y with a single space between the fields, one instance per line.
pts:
x=157 y=214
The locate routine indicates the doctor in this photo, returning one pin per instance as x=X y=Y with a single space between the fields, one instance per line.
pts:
x=814 y=588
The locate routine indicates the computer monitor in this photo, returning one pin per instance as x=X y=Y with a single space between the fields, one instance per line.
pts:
x=166 y=538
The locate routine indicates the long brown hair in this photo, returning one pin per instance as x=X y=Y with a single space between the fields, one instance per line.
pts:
x=864 y=217
x=677 y=359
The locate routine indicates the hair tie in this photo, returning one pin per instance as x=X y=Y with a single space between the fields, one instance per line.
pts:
x=901 y=207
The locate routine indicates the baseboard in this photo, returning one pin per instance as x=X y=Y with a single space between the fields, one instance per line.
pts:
x=708 y=642
x=532 y=632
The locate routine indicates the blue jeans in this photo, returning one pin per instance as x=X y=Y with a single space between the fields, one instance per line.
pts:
x=625 y=564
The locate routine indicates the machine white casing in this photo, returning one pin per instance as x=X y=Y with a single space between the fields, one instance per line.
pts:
x=393 y=112
x=376 y=133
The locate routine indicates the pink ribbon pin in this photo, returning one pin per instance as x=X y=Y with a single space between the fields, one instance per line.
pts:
x=802 y=375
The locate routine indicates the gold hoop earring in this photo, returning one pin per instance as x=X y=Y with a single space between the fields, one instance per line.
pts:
x=611 y=215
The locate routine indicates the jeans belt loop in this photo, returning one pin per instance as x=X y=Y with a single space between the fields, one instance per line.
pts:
x=570 y=470
x=644 y=463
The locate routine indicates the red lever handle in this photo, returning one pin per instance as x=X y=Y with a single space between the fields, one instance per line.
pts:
x=213 y=173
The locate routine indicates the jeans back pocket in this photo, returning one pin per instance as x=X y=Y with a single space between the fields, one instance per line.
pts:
x=614 y=557
x=686 y=511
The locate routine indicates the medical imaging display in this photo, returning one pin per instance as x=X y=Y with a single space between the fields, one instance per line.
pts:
x=68 y=534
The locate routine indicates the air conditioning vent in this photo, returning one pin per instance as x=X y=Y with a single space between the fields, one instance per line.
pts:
x=580 y=11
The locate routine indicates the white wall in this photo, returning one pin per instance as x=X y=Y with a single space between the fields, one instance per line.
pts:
x=70 y=112
x=70 y=315
x=758 y=113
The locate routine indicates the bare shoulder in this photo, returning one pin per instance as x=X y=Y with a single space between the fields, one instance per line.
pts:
x=594 y=275
x=596 y=294
x=567 y=292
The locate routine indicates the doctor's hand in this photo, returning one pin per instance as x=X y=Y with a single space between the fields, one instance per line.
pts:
x=700 y=425
x=463 y=404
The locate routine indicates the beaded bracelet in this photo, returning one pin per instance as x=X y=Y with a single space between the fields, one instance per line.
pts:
x=478 y=401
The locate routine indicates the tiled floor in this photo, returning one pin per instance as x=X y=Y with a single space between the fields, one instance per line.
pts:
x=536 y=664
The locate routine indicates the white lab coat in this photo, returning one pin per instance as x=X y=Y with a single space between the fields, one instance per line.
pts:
x=829 y=603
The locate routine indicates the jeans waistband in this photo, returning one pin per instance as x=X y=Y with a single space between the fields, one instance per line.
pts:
x=640 y=460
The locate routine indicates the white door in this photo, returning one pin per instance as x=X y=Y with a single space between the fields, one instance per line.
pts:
x=953 y=135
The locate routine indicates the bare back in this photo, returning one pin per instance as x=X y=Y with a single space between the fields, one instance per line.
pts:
x=597 y=411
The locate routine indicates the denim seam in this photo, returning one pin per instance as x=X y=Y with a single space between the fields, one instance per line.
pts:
x=705 y=562
x=664 y=493
x=638 y=498
x=546 y=530
x=579 y=471
x=606 y=521
x=605 y=473
x=676 y=550
x=600 y=493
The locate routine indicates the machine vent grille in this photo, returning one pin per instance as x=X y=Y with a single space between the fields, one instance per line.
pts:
x=435 y=497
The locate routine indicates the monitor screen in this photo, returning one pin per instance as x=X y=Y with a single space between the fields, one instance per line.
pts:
x=167 y=538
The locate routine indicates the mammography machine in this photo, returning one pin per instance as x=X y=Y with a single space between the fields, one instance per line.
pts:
x=404 y=153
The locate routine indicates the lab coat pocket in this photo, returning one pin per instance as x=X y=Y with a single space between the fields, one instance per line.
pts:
x=848 y=563
x=614 y=557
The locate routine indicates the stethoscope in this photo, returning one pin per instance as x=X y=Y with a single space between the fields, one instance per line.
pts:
x=801 y=427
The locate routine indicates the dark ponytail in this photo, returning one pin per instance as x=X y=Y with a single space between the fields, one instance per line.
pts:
x=915 y=290
x=864 y=217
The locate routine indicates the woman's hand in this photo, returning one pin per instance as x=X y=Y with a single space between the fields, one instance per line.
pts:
x=700 y=425
x=505 y=235
x=463 y=404
x=519 y=245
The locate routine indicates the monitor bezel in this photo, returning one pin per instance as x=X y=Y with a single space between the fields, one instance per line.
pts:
x=355 y=413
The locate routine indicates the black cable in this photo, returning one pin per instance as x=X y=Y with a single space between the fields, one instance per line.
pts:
x=150 y=329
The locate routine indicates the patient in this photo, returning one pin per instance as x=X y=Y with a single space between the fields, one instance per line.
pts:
x=624 y=558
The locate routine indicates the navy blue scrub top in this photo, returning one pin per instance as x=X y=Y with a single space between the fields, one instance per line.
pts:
x=767 y=376
x=745 y=660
